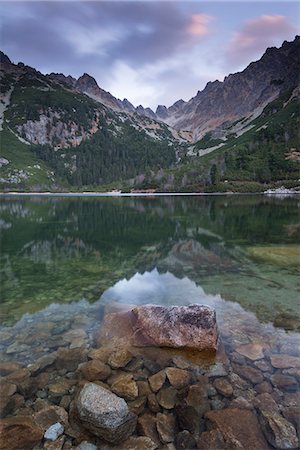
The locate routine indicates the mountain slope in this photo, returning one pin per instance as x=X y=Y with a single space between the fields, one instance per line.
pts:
x=240 y=94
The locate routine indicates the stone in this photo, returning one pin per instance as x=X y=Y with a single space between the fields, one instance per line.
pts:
x=187 y=418
x=284 y=382
x=294 y=372
x=251 y=351
x=153 y=404
x=8 y=405
x=278 y=431
x=249 y=373
x=119 y=358
x=239 y=427
x=105 y=414
x=69 y=359
x=217 y=370
x=7 y=389
x=157 y=380
x=192 y=326
x=292 y=399
x=42 y=363
x=178 y=378
x=184 y=441
x=8 y=367
x=19 y=433
x=197 y=398
x=137 y=406
x=223 y=387
x=101 y=353
x=143 y=387
x=167 y=397
x=138 y=443
x=57 y=445
x=211 y=440
x=50 y=415
x=264 y=387
x=60 y=388
x=54 y=431
x=18 y=377
x=126 y=387
x=86 y=446
x=285 y=361
x=95 y=370
x=240 y=403
x=263 y=365
x=146 y=426
x=165 y=424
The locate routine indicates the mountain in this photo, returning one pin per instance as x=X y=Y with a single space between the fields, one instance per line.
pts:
x=239 y=95
x=58 y=132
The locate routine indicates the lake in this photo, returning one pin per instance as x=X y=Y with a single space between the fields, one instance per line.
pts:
x=66 y=262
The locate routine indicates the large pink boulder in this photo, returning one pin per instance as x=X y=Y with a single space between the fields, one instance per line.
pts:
x=192 y=326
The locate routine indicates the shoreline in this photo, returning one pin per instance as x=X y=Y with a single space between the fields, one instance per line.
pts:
x=140 y=194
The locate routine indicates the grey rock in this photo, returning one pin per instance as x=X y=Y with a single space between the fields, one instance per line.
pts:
x=280 y=433
x=54 y=431
x=86 y=446
x=105 y=414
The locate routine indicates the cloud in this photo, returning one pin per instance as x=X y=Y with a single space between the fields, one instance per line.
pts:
x=255 y=36
x=199 y=24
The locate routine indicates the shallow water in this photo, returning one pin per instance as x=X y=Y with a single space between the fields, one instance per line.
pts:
x=66 y=262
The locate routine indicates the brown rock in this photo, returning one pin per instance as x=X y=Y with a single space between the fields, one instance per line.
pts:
x=165 y=424
x=69 y=359
x=116 y=328
x=223 y=387
x=138 y=443
x=212 y=440
x=62 y=387
x=153 y=404
x=278 y=431
x=252 y=351
x=178 y=378
x=137 y=406
x=49 y=416
x=146 y=426
x=240 y=403
x=8 y=367
x=265 y=402
x=187 y=418
x=18 y=433
x=119 y=358
x=143 y=387
x=167 y=397
x=42 y=363
x=197 y=398
x=292 y=399
x=249 y=373
x=8 y=405
x=101 y=353
x=285 y=382
x=56 y=445
x=239 y=428
x=126 y=387
x=285 y=361
x=7 y=389
x=95 y=370
x=157 y=380
x=192 y=326
x=184 y=441
x=18 y=377
x=263 y=365
x=264 y=387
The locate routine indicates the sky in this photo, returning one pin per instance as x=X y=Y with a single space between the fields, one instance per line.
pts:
x=150 y=52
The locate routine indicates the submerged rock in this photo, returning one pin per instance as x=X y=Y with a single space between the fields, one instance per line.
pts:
x=54 y=431
x=19 y=433
x=192 y=326
x=105 y=414
x=278 y=431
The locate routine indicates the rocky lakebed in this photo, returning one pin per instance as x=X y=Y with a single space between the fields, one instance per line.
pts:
x=148 y=377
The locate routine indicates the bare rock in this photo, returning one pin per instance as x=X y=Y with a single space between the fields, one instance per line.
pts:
x=138 y=443
x=251 y=351
x=69 y=359
x=49 y=416
x=105 y=414
x=19 y=433
x=239 y=428
x=167 y=397
x=249 y=373
x=278 y=431
x=198 y=399
x=146 y=426
x=157 y=380
x=285 y=361
x=184 y=441
x=8 y=367
x=125 y=387
x=223 y=387
x=95 y=370
x=153 y=404
x=119 y=358
x=284 y=382
x=192 y=326
x=165 y=424
x=178 y=378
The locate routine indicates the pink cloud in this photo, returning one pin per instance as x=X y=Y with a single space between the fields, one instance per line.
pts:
x=198 y=25
x=256 y=35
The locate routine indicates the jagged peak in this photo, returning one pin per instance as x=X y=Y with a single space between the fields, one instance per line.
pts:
x=4 y=59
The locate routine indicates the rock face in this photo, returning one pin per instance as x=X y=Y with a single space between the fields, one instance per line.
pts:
x=105 y=414
x=192 y=326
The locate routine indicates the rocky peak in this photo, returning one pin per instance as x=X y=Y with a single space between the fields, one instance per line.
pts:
x=61 y=78
x=145 y=112
x=127 y=105
x=162 y=112
x=4 y=59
